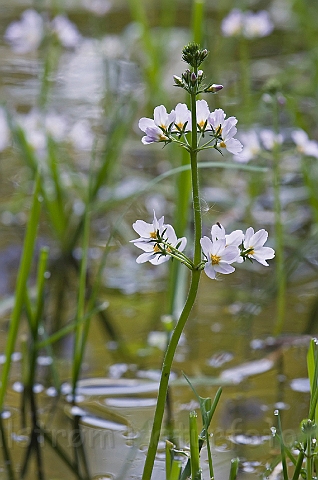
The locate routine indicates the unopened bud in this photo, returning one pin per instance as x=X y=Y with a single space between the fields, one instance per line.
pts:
x=186 y=75
x=200 y=74
x=214 y=88
x=193 y=77
x=178 y=80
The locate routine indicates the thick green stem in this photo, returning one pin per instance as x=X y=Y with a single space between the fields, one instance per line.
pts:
x=169 y=356
x=165 y=373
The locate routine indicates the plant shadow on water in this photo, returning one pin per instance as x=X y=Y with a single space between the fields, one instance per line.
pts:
x=84 y=328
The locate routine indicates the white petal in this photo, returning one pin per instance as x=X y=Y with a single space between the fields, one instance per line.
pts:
x=206 y=245
x=209 y=270
x=145 y=122
x=224 y=268
x=217 y=231
x=259 y=238
x=143 y=229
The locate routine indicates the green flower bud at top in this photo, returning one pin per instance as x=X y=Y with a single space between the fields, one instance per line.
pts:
x=214 y=88
x=193 y=55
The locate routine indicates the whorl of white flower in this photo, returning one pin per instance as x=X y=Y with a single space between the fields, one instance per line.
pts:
x=303 y=144
x=155 y=239
x=232 y=145
x=251 y=147
x=203 y=113
x=257 y=24
x=270 y=139
x=26 y=34
x=4 y=130
x=218 y=256
x=99 y=7
x=232 y=24
x=248 y=24
x=154 y=128
x=254 y=245
x=225 y=127
x=81 y=135
x=66 y=31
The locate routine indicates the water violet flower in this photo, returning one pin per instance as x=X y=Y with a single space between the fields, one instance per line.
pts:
x=252 y=147
x=256 y=25
x=66 y=31
x=303 y=144
x=158 y=241
x=218 y=256
x=155 y=129
x=232 y=24
x=25 y=35
x=252 y=247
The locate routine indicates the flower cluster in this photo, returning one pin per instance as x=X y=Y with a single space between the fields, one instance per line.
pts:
x=168 y=127
x=247 y=24
x=254 y=142
x=222 y=250
x=159 y=242
x=27 y=34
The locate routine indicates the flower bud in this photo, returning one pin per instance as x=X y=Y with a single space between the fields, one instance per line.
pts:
x=186 y=75
x=214 y=88
x=193 y=77
x=178 y=81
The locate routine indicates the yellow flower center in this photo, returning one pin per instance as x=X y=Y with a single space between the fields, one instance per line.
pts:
x=222 y=144
x=215 y=259
x=156 y=249
x=251 y=251
x=153 y=235
x=201 y=124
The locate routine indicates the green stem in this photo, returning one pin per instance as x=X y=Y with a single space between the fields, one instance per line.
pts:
x=165 y=373
x=195 y=183
x=196 y=273
x=279 y=240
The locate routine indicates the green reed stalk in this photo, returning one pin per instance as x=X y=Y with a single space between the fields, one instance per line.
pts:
x=193 y=289
x=24 y=269
x=194 y=447
x=279 y=234
x=197 y=20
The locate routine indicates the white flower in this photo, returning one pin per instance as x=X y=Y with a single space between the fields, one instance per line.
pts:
x=249 y=24
x=154 y=129
x=25 y=35
x=270 y=139
x=219 y=256
x=256 y=25
x=254 y=242
x=66 y=31
x=232 y=24
x=183 y=117
x=203 y=113
x=234 y=238
x=231 y=144
x=225 y=127
x=152 y=236
x=4 y=130
x=217 y=119
x=303 y=144
x=252 y=147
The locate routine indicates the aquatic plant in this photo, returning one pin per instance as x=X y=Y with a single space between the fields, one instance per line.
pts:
x=195 y=130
